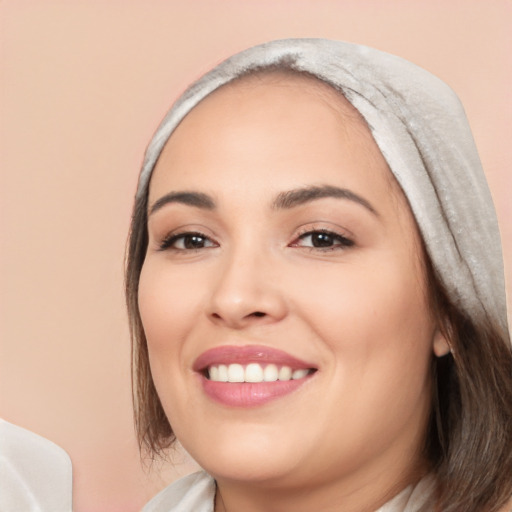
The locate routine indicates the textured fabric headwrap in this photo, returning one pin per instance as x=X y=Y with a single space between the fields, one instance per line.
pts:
x=421 y=129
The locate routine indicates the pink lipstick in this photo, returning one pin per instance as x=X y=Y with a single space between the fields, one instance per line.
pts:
x=250 y=375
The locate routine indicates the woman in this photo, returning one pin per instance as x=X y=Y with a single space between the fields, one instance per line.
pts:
x=316 y=292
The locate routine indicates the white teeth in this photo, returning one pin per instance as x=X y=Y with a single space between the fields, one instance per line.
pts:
x=254 y=372
x=223 y=373
x=214 y=373
x=285 y=373
x=299 y=374
x=236 y=373
x=270 y=373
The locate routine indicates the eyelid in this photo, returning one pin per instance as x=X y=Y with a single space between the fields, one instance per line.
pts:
x=166 y=243
x=346 y=239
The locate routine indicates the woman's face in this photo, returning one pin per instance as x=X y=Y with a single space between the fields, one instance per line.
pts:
x=279 y=244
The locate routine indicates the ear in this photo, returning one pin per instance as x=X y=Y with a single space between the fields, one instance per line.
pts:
x=440 y=344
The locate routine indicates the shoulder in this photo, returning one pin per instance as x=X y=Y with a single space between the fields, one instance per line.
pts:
x=194 y=493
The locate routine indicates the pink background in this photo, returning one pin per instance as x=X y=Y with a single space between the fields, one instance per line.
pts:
x=83 y=85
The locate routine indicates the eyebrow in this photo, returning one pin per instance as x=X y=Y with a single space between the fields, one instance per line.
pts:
x=197 y=199
x=284 y=200
x=297 y=197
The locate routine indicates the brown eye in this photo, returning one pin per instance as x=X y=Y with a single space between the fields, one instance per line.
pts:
x=187 y=242
x=323 y=240
x=193 y=242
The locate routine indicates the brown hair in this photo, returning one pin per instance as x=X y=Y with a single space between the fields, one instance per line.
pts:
x=469 y=438
x=469 y=441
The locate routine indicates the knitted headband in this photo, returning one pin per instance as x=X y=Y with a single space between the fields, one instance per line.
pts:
x=421 y=129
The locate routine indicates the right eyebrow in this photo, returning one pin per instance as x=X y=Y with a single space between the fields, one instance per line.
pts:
x=296 y=197
x=197 y=199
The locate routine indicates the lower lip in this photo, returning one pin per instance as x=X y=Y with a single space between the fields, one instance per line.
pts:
x=249 y=394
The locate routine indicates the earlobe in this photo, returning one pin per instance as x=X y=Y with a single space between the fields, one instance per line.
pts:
x=440 y=344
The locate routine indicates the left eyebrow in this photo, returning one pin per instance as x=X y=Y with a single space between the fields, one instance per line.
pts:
x=195 y=199
x=300 y=196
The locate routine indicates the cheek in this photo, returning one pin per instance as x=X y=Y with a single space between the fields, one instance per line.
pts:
x=168 y=305
x=164 y=296
x=375 y=320
x=381 y=335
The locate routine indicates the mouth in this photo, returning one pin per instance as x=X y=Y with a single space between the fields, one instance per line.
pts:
x=250 y=375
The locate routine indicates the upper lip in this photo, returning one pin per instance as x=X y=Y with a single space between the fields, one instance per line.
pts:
x=229 y=354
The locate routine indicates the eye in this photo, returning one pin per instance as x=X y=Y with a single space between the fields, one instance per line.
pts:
x=189 y=241
x=323 y=240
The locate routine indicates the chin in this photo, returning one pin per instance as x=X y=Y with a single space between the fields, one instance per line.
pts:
x=247 y=455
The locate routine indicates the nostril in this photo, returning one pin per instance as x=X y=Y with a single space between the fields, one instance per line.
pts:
x=258 y=314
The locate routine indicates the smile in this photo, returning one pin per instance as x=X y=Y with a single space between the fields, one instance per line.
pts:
x=250 y=375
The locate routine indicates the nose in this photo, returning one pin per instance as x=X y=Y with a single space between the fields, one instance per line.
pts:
x=247 y=292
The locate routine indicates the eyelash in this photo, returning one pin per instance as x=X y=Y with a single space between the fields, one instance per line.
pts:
x=168 y=243
x=342 y=241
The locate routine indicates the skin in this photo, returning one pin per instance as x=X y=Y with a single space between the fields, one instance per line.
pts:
x=351 y=436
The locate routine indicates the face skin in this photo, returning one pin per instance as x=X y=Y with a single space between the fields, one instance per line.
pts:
x=355 y=309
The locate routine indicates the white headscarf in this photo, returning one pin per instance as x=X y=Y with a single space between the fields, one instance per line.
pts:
x=421 y=129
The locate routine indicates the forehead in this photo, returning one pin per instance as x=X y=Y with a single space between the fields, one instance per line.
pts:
x=281 y=115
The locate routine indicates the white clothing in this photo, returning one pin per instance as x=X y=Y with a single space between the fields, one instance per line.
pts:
x=196 y=493
x=35 y=474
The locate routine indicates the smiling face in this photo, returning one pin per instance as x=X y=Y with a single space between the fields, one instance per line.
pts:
x=280 y=247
